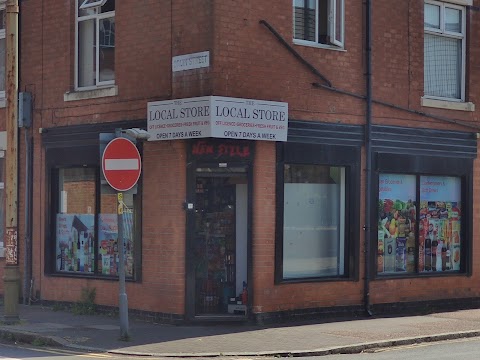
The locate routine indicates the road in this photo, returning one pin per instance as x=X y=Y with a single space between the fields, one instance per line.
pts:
x=25 y=351
x=460 y=349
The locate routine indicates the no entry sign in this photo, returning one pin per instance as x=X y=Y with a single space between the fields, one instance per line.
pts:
x=121 y=164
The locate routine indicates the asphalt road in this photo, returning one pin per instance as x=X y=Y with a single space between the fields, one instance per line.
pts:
x=26 y=351
x=460 y=349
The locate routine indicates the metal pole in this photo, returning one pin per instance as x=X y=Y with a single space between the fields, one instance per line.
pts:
x=123 y=300
x=11 y=276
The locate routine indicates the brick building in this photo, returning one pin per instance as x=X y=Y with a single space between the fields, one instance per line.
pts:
x=305 y=157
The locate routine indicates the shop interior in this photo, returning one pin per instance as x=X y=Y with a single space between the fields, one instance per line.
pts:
x=220 y=250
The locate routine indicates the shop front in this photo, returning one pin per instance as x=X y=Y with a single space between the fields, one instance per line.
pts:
x=81 y=231
x=221 y=134
x=424 y=212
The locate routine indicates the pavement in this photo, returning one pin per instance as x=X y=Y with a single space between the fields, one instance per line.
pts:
x=42 y=325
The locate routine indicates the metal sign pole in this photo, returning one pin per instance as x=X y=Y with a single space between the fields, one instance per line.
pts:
x=11 y=277
x=123 y=300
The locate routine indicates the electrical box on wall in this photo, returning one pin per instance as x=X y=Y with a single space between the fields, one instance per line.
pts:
x=24 y=109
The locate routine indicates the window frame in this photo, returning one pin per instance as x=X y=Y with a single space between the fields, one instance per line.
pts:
x=61 y=156
x=452 y=35
x=347 y=157
x=462 y=168
x=331 y=19
x=87 y=4
x=96 y=17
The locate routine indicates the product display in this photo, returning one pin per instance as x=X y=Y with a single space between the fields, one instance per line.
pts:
x=214 y=245
x=441 y=231
x=439 y=227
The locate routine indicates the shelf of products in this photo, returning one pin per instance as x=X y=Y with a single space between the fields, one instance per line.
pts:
x=214 y=245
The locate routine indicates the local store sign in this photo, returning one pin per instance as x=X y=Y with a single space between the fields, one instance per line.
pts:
x=218 y=117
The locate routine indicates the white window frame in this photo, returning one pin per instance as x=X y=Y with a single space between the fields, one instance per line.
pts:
x=97 y=17
x=332 y=28
x=87 y=4
x=454 y=35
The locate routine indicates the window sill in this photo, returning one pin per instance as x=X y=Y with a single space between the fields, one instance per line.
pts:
x=449 y=105
x=317 y=45
x=91 y=94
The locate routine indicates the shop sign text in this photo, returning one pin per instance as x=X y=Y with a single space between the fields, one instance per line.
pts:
x=219 y=117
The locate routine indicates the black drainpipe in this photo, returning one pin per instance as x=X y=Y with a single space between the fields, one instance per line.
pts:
x=368 y=155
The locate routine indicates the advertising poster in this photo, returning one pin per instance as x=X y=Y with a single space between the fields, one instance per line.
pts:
x=397 y=214
x=440 y=214
x=108 y=244
x=75 y=242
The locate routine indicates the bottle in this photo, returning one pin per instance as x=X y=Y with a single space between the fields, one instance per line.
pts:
x=244 y=294
x=439 y=255
x=448 y=261
x=434 y=255
x=411 y=252
x=444 y=257
x=428 y=254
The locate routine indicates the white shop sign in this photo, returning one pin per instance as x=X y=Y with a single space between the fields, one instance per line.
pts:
x=191 y=61
x=219 y=117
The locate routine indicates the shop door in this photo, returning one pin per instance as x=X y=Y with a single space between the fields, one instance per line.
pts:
x=220 y=242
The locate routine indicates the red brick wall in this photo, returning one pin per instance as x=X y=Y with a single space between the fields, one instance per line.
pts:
x=143 y=73
x=248 y=62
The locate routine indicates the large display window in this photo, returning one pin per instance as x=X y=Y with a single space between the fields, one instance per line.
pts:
x=86 y=240
x=313 y=221
x=420 y=224
x=82 y=217
x=317 y=212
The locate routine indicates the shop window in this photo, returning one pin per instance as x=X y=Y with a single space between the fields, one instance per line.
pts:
x=419 y=224
x=444 y=50
x=318 y=22
x=86 y=240
x=95 y=44
x=316 y=205
x=313 y=224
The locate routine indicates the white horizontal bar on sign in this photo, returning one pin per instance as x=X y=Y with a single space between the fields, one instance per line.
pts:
x=122 y=164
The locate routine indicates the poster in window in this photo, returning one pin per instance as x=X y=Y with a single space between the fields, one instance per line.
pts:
x=75 y=243
x=396 y=223
x=108 y=243
x=440 y=220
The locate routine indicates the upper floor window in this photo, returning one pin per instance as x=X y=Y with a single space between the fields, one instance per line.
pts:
x=444 y=51
x=318 y=21
x=95 y=43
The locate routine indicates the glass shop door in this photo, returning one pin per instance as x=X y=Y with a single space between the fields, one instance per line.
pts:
x=220 y=242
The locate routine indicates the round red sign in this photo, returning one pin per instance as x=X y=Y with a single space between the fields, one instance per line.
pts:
x=121 y=164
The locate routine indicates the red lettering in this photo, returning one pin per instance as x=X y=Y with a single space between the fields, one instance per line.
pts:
x=201 y=148
x=222 y=149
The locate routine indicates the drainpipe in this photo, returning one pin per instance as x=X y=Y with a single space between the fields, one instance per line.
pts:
x=368 y=155
x=11 y=275
x=27 y=266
